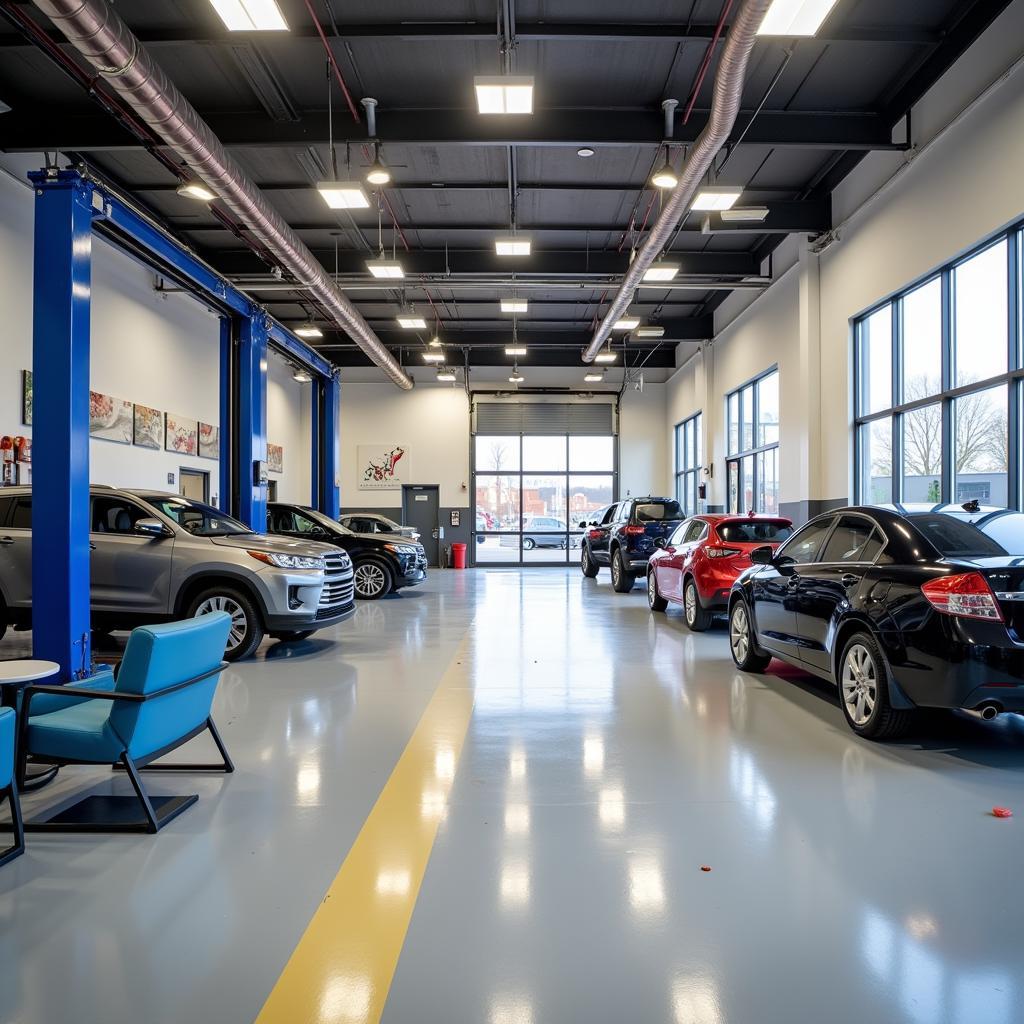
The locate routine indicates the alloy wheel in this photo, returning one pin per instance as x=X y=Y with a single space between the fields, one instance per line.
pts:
x=239 y=623
x=739 y=634
x=690 y=604
x=369 y=580
x=616 y=570
x=859 y=684
x=652 y=589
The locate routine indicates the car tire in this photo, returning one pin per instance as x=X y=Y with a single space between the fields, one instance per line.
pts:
x=373 y=580
x=529 y=543
x=694 y=613
x=741 y=640
x=622 y=578
x=246 y=624
x=587 y=564
x=864 y=691
x=654 y=600
x=293 y=635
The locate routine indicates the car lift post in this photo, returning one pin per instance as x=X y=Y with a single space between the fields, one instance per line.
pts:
x=252 y=420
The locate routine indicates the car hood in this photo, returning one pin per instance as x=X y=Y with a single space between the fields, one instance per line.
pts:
x=391 y=538
x=279 y=545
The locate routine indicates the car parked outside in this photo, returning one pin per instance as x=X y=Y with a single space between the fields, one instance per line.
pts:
x=383 y=562
x=371 y=522
x=623 y=535
x=158 y=557
x=902 y=607
x=544 y=532
x=697 y=566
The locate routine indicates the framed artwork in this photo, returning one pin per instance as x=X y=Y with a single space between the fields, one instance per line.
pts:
x=110 y=419
x=382 y=467
x=275 y=458
x=26 y=398
x=149 y=424
x=181 y=435
x=209 y=441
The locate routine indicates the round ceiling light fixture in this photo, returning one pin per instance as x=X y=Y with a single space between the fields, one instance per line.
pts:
x=665 y=176
x=584 y=151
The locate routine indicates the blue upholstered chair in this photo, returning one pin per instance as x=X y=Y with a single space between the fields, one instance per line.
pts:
x=8 y=791
x=160 y=699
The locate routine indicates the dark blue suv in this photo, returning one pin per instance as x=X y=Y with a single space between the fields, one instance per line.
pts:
x=623 y=535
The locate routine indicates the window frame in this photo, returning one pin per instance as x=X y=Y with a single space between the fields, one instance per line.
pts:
x=689 y=468
x=734 y=460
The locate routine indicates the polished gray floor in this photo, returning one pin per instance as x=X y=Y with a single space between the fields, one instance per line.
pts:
x=611 y=755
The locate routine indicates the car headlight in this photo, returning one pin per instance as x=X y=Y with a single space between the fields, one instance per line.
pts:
x=281 y=561
x=401 y=549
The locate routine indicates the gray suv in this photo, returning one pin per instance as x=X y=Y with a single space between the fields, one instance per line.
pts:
x=159 y=557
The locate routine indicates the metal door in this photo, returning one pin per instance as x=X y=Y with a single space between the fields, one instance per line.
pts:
x=421 y=509
x=194 y=484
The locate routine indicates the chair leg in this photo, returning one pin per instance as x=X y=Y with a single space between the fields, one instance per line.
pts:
x=229 y=765
x=11 y=794
x=226 y=766
x=140 y=792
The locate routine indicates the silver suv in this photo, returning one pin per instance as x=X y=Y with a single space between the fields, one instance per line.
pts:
x=158 y=557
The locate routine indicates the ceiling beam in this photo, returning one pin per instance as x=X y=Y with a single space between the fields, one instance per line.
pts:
x=43 y=128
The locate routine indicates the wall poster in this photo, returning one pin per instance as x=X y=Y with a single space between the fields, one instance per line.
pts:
x=181 y=435
x=111 y=419
x=382 y=467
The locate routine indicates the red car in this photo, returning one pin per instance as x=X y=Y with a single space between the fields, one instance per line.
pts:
x=697 y=566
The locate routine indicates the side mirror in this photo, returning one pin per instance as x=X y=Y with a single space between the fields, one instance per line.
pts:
x=150 y=528
x=764 y=555
x=660 y=542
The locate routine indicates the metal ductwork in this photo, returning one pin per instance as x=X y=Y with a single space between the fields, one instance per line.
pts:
x=725 y=106
x=93 y=28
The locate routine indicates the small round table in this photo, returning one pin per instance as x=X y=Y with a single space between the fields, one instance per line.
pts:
x=14 y=677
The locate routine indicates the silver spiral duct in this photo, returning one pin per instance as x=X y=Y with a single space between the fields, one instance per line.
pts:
x=725 y=106
x=93 y=28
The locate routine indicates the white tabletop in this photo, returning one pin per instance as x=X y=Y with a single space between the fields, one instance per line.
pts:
x=25 y=670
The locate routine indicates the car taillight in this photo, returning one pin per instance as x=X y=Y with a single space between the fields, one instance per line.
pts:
x=594 y=534
x=966 y=594
x=633 y=531
x=722 y=552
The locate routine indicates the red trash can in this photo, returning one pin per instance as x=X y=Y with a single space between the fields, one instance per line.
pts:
x=459 y=556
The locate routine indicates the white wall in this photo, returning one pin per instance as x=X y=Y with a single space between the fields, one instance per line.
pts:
x=643 y=444
x=288 y=424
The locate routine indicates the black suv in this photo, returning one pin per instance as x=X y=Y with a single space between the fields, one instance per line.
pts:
x=623 y=535
x=383 y=562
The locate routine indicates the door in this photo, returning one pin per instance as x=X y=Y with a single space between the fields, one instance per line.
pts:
x=774 y=588
x=194 y=484
x=680 y=547
x=828 y=586
x=130 y=572
x=600 y=534
x=421 y=509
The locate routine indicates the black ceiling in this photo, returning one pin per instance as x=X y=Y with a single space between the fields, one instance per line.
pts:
x=811 y=109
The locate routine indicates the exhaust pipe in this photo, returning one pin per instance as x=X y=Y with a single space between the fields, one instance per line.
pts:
x=725 y=106
x=103 y=39
x=986 y=712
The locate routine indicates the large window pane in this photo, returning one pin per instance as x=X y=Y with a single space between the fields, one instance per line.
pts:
x=734 y=486
x=747 y=418
x=980 y=317
x=497 y=502
x=768 y=410
x=746 y=484
x=734 y=423
x=497 y=454
x=922 y=341
x=588 y=494
x=876 y=462
x=922 y=454
x=980 y=443
x=591 y=454
x=768 y=481
x=543 y=454
x=680 y=444
x=874 y=350
x=544 y=502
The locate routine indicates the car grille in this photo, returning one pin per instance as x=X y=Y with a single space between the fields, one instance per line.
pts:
x=339 y=583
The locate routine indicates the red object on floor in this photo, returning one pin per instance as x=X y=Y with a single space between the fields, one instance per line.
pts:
x=1002 y=812
x=458 y=556
x=705 y=867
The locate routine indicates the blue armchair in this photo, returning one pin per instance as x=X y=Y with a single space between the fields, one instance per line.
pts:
x=8 y=791
x=160 y=699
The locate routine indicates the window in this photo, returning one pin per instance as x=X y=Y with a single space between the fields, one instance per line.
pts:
x=939 y=386
x=694 y=531
x=757 y=531
x=115 y=515
x=802 y=547
x=752 y=467
x=21 y=516
x=853 y=540
x=689 y=446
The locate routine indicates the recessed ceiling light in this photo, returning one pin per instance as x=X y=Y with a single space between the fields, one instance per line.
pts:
x=661 y=271
x=516 y=377
x=716 y=198
x=309 y=330
x=514 y=305
x=385 y=268
x=250 y=15
x=607 y=356
x=512 y=245
x=795 y=17
x=195 y=190
x=665 y=176
x=343 y=195
x=627 y=323
x=650 y=331
x=594 y=378
x=435 y=341
x=585 y=152
x=445 y=375
x=433 y=357
x=411 y=322
x=504 y=94
x=302 y=376
x=739 y=213
x=515 y=350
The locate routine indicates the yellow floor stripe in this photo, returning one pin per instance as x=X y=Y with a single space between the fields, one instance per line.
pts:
x=342 y=968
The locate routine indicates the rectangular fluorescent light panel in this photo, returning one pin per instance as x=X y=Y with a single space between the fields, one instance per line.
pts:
x=445 y=375
x=343 y=195
x=594 y=378
x=661 y=271
x=512 y=245
x=504 y=94
x=795 y=17
x=411 y=322
x=627 y=323
x=605 y=357
x=514 y=305
x=385 y=268
x=716 y=198
x=309 y=331
x=650 y=331
x=741 y=213
x=250 y=15
x=433 y=357
x=515 y=350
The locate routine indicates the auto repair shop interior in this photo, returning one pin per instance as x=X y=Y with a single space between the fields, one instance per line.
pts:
x=511 y=514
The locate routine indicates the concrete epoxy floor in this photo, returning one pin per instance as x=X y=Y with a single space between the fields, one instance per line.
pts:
x=610 y=754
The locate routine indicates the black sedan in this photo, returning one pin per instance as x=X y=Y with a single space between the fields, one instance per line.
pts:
x=901 y=606
x=383 y=562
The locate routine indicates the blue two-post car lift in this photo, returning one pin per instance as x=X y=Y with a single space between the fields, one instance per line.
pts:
x=69 y=207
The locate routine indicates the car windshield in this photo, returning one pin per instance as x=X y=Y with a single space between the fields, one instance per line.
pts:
x=198 y=519
x=756 y=531
x=389 y=522
x=990 y=535
x=325 y=521
x=656 y=511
